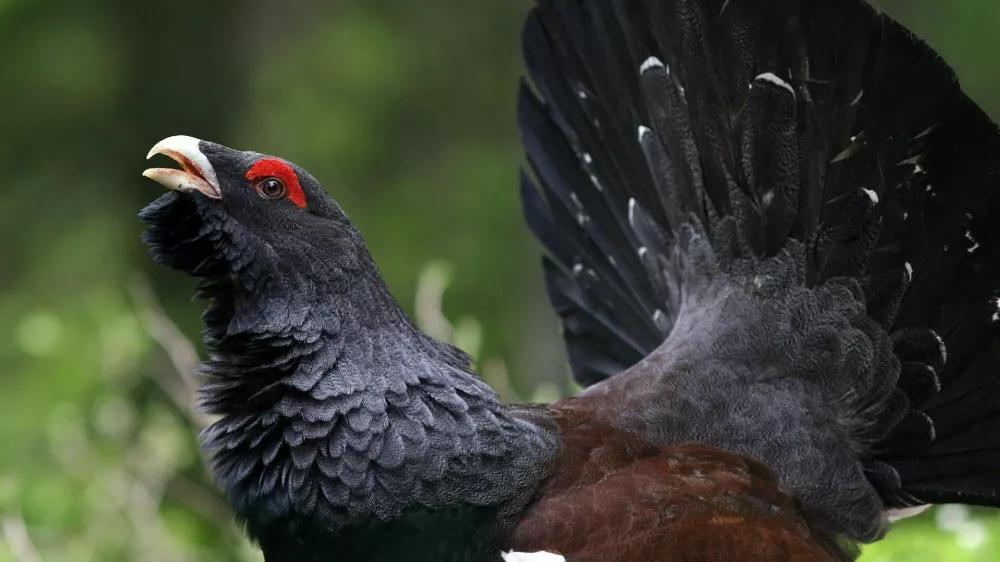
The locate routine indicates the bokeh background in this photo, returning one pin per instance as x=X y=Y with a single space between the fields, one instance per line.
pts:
x=404 y=109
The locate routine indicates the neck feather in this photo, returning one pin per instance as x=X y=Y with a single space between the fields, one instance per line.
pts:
x=351 y=419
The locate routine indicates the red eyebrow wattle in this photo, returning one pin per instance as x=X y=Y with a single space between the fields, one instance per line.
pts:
x=274 y=168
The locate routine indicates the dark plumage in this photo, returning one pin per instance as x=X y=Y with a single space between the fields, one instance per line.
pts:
x=336 y=411
x=768 y=227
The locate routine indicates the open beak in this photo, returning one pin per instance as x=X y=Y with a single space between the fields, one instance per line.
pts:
x=197 y=173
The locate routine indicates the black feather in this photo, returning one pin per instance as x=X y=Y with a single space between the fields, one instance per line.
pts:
x=819 y=147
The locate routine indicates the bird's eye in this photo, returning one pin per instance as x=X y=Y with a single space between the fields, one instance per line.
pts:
x=271 y=188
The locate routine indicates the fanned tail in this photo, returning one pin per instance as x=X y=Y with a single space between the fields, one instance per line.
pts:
x=817 y=129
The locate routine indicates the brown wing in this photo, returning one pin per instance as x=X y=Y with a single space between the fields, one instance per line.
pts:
x=614 y=498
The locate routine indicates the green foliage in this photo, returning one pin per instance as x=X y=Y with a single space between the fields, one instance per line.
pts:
x=405 y=110
x=952 y=532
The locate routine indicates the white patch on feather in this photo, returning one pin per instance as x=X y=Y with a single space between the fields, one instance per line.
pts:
x=643 y=131
x=904 y=512
x=631 y=211
x=531 y=557
x=768 y=77
x=642 y=252
x=651 y=63
x=768 y=198
x=871 y=195
x=578 y=269
x=588 y=158
x=660 y=320
x=996 y=314
x=927 y=131
x=942 y=347
x=909 y=272
x=975 y=245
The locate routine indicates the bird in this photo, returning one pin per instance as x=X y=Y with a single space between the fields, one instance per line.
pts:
x=769 y=239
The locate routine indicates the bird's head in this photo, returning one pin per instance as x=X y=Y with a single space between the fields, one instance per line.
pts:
x=264 y=232
x=283 y=267
x=259 y=211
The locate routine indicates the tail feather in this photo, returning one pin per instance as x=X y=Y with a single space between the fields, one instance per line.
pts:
x=782 y=128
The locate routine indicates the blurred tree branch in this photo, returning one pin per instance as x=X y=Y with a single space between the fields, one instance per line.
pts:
x=16 y=534
x=180 y=382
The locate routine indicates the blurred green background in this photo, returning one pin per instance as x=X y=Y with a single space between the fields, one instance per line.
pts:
x=404 y=109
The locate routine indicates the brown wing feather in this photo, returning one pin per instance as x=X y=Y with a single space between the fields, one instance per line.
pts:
x=615 y=498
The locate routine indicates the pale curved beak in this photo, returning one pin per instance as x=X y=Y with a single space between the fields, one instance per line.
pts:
x=197 y=173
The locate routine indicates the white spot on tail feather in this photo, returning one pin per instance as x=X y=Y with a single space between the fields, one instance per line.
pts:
x=642 y=252
x=651 y=63
x=768 y=198
x=588 y=158
x=643 y=131
x=996 y=304
x=871 y=195
x=768 y=77
x=531 y=557
x=909 y=272
x=578 y=269
x=660 y=320
x=631 y=211
x=596 y=182
x=975 y=245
